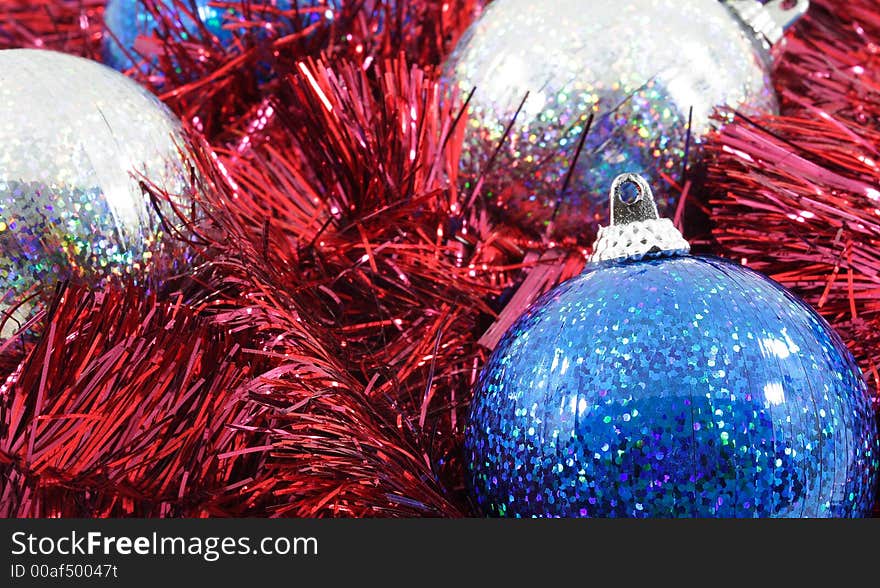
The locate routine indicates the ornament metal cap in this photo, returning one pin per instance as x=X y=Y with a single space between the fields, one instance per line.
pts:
x=769 y=20
x=636 y=230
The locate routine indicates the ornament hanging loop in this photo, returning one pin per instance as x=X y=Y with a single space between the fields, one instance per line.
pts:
x=641 y=208
x=636 y=230
x=786 y=12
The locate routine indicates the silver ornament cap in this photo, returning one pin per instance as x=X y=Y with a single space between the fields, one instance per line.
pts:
x=769 y=20
x=636 y=230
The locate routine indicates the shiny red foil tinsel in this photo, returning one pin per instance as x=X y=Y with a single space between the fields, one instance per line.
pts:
x=318 y=360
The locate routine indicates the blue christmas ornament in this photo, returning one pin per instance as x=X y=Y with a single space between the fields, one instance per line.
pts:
x=659 y=384
x=126 y=20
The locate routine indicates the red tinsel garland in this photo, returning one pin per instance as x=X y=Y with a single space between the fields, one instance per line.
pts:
x=126 y=406
x=72 y=26
x=219 y=86
x=357 y=250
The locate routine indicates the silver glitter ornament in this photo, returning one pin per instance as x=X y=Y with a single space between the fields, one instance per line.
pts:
x=76 y=140
x=650 y=73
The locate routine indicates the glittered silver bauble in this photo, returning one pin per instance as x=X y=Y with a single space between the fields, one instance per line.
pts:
x=650 y=72
x=76 y=140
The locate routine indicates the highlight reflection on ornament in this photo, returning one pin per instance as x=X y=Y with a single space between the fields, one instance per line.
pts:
x=651 y=72
x=659 y=384
x=74 y=137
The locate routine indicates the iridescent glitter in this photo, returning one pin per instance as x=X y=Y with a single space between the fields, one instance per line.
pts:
x=639 y=66
x=73 y=134
x=667 y=387
x=126 y=20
